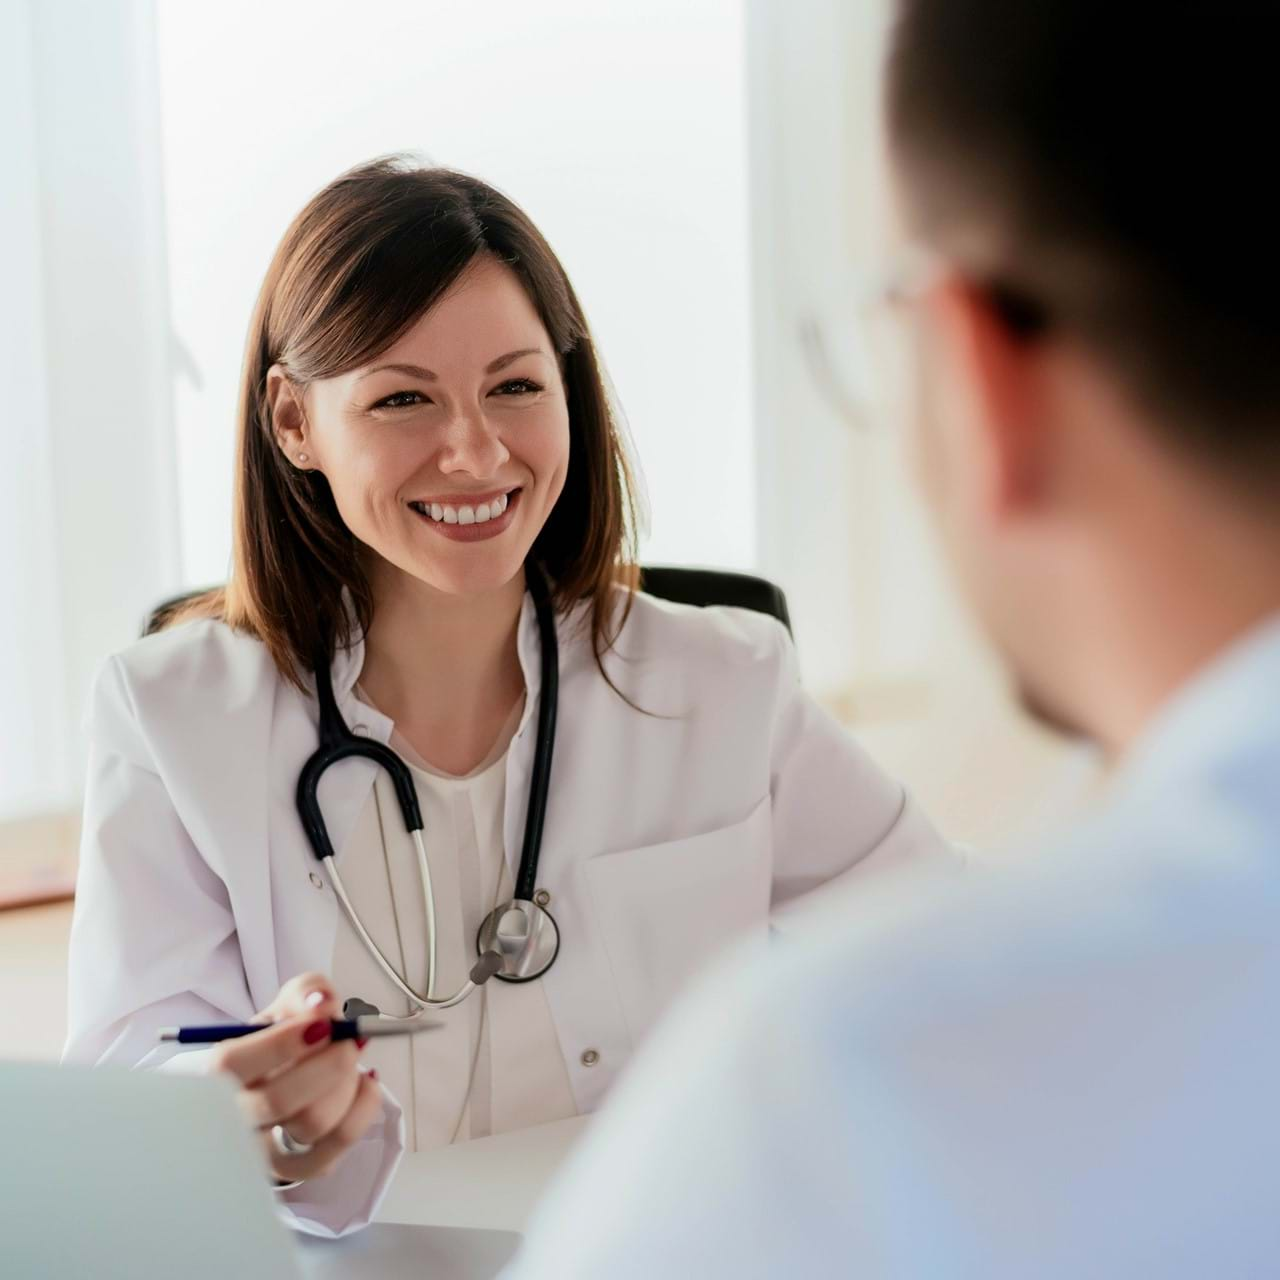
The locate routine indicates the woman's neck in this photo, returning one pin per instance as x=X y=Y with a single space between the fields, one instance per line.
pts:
x=445 y=668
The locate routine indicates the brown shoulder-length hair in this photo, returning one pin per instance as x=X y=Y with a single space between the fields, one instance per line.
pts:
x=361 y=263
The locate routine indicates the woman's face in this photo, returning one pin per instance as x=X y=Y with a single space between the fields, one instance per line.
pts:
x=447 y=452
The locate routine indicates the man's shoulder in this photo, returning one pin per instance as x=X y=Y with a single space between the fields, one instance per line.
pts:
x=1120 y=889
x=1064 y=1056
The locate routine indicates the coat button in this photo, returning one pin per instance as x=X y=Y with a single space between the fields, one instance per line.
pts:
x=542 y=898
x=315 y=880
x=360 y=728
x=590 y=1057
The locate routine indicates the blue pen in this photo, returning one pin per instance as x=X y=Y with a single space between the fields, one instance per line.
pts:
x=341 y=1029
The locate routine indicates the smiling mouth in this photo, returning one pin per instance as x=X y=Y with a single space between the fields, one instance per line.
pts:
x=466 y=513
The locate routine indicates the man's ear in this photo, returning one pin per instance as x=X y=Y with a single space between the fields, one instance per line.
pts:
x=288 y=416
x=1001 y=372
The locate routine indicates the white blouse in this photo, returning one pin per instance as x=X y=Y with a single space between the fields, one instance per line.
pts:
x=496 y=1063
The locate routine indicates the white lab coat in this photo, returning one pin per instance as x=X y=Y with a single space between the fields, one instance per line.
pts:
x=666 y=835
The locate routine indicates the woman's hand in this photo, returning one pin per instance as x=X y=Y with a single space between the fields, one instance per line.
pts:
x=291 y=1074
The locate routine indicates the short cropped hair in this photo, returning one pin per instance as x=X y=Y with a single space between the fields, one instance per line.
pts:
x=1108 y=168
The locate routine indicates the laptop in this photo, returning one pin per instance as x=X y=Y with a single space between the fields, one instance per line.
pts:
x=110 y=1173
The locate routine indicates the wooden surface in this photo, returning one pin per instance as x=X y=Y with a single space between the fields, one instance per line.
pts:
x=38 y=859
x=33 y=981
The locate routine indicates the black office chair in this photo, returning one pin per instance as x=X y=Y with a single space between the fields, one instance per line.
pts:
x=699 y=587
x=160 y=615
x=704 y=587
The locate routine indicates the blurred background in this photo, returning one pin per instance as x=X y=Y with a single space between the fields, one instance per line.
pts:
x=710 y=173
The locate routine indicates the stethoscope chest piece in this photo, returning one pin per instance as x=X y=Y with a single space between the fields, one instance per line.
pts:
x=526 y=937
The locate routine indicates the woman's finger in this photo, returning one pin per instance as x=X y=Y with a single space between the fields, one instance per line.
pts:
x=287 y=1093
x=363 y=1113
x=274 y=1049
x=308 y=993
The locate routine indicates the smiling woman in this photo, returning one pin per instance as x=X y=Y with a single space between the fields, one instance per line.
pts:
x=583 y=792
x=416 y=340
x=403 y=444
x=464 y=509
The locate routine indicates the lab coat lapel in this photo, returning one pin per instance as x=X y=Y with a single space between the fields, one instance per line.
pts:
x=585 y=1010
x=305 y=933
x=230 y=821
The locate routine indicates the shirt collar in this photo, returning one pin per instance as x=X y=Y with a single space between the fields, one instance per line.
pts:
x=1231 y=705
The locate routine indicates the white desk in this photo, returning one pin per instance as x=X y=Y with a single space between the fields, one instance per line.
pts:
x=490 y=1182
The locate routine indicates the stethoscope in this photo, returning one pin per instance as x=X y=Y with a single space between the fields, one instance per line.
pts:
x=519 y=940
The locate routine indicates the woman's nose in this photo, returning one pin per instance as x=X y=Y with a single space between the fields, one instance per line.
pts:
x=472 y=446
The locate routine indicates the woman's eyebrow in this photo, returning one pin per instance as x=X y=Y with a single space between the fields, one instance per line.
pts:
x=417 y=371
x=413 y=370
x=502 y=361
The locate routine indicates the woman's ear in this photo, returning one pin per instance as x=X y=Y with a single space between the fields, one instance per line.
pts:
x=288 y=417
x=1008 y=423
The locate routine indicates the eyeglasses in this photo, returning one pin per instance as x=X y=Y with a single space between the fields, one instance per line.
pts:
x=860 y=344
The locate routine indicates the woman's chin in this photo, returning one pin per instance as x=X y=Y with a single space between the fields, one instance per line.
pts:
x=485 y=575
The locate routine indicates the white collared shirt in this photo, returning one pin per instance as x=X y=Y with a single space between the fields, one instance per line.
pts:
x=1069 y=1068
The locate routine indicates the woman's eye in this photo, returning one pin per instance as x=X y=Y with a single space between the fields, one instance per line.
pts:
x=517 y=387
x=401 y=400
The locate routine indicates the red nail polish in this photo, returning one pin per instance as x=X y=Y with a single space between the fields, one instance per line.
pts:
x=373 y=1075
x=316 y=1032
x=364 y=1040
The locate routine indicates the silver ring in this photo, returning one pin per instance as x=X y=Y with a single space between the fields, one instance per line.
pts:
x=286 y=1144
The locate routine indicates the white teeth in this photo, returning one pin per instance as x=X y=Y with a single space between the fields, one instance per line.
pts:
x=481 y=513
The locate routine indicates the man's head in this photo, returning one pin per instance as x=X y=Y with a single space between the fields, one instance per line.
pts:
x=1103 y=338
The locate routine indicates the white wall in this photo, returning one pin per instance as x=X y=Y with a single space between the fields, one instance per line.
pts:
x=620 y=127
x=87 y=535
x=33 y=767
x=882 y=635
x=837 y=524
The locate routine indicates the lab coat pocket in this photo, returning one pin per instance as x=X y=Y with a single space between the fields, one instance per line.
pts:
x=666 y=909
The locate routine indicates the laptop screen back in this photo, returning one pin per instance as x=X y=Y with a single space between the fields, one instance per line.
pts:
x=113 y=1173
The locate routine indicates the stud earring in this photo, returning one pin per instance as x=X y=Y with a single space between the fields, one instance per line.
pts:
x=303 y=457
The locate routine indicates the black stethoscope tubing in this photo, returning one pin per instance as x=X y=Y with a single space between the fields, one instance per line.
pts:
x=338 y=743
